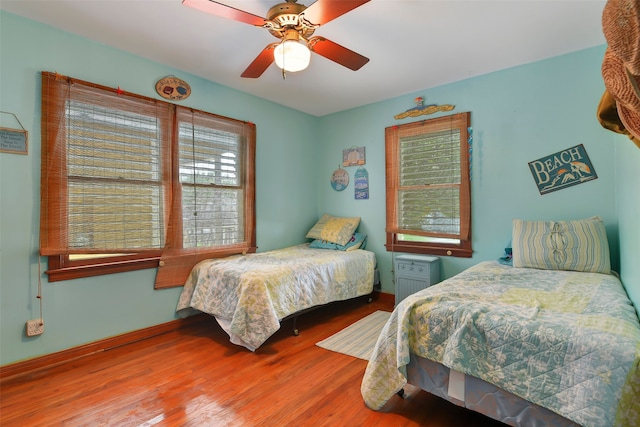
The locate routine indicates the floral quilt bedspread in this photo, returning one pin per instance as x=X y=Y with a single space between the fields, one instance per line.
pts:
x=563 y=340
x=250 y=294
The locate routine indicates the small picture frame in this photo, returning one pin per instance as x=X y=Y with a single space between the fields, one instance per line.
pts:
x=354 y=156
x=14 y=141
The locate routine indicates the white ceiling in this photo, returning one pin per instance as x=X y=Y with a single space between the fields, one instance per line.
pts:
x=412 y=45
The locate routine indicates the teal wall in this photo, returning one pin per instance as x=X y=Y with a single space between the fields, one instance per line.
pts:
x=85 y=310
x=628 y=203
x=518 y=115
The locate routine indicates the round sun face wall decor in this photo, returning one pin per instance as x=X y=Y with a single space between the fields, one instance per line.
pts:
x=339 y=179
x=173 y=88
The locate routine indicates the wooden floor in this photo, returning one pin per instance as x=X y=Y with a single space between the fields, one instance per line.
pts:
x=195 y=377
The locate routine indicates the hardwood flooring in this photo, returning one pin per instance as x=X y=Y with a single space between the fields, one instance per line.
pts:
x=195 y=377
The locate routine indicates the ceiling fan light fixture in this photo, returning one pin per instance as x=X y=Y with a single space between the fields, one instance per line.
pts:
x=292 y=55
x=292 y=24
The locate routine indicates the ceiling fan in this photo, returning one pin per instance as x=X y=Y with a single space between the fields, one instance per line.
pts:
x=293 y=24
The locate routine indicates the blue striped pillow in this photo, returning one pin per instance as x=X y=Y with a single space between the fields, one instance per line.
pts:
x=577 y=245
x=358 y=241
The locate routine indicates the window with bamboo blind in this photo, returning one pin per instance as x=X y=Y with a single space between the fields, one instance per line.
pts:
x=428 y=186
x=130 y=182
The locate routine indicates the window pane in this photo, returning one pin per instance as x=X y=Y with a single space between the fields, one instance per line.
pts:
x=79 y=257
x=106 y=215
x=208 y=156
x=434 y=210
x=212 y=216
x=430 y=159
x=212 y=201
x=428 y=196
x=113 y=166
x=426 y=239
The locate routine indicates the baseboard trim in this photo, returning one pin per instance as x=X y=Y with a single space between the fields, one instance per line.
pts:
x=53 y=359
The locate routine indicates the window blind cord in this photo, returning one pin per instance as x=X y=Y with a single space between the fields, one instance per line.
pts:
x=67 y=237
x=393 y=239
x=470 y=141
x=195 y=187
x=39 y=296
x=393 y=259
x=450 y=226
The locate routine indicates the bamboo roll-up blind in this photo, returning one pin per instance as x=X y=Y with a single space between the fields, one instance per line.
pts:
x=426 y=163
x=103 y=154
x=132 y=176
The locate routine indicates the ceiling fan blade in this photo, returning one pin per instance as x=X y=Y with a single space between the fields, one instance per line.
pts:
x=261 y=63
x=337 y=53
x=323 y=11
x=225 y=11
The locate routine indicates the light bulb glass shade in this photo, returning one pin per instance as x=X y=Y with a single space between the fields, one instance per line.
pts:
x=292 y=55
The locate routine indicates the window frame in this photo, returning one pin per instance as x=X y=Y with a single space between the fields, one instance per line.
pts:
x=393 y=135
x=60 y=264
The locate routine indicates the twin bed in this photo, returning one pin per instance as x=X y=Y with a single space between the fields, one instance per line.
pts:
x=551 y=340
x=250 y=295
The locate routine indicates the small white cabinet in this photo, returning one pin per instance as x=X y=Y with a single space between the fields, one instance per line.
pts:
x=413 y=273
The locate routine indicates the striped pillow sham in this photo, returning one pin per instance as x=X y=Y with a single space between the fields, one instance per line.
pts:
x=577 y=245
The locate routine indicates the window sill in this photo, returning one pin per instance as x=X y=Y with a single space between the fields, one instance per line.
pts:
x=57 y=274
x=430 y=250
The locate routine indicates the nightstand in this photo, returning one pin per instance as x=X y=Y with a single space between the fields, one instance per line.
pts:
x=413 y=273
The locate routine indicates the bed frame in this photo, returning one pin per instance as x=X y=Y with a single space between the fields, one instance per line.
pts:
x=479 y=396
x=295 y=331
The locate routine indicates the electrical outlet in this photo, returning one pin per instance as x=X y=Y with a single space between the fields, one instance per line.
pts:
x=35 y=327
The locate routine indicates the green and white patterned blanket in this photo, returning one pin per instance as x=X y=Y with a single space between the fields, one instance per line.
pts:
x=250 y=294
x=564 y=340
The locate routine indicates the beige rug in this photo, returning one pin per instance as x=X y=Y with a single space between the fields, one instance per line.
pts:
x=358 y=339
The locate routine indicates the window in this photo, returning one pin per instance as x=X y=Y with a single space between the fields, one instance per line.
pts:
x=130 y=182
x=211 y=178
x=428 y=186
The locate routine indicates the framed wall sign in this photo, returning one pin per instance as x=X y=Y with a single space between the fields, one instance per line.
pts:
x=354 y=156
x=361 y=184
x=562 y=169
x=13 y=141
